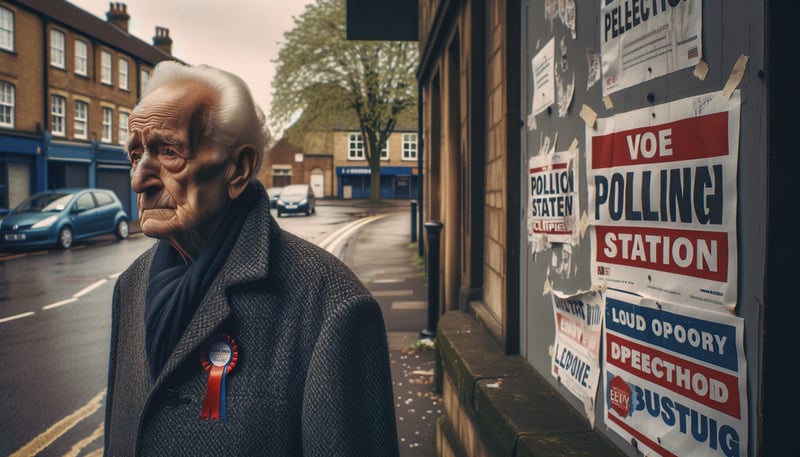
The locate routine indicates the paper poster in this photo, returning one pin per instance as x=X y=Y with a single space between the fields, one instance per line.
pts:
x=662 y=201
x=675 y=378
x=641 y=40
x=553 y=198
x=576 y=352
x=544 y=80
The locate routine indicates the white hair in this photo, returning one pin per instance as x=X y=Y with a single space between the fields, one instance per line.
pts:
x=234 y=120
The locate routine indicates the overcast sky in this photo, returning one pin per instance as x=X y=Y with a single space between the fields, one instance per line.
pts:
x=240 y=36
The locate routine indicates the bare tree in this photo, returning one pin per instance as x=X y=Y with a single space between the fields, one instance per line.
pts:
x=333 y=81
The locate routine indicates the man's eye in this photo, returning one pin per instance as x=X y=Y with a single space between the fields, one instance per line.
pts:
x=169 y=152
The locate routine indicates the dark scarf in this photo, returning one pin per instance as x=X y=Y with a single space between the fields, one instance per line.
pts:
x=175 y=289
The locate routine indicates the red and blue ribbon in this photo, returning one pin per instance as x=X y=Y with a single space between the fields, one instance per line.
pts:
x=218 y=357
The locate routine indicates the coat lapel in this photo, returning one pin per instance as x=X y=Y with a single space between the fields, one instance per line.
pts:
x=246 y=262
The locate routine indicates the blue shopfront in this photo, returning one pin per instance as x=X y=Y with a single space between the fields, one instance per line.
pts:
x=90 y=164
x=396 y=182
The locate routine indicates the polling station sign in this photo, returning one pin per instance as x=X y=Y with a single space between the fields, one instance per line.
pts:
x=643 y=39
x=576 y=351
x=553 y=198
x=675 y=377
x=662 y=200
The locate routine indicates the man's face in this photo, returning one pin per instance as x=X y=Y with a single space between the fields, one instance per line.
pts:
x=181 y=184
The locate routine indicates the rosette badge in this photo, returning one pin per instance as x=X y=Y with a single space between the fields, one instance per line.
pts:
x=218 y=357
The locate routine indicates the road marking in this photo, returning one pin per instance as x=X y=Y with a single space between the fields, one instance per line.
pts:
x=59 y=303
x=47 y=437
x=80 y=445
x=90 y=288
x=18 y=316
x=331 y=244
x=114 y=276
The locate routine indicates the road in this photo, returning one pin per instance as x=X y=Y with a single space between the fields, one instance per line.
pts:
x=54 y=334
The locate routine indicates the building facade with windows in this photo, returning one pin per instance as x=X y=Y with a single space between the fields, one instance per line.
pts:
x=68 y=81
x=334 y=163
x=399 y=172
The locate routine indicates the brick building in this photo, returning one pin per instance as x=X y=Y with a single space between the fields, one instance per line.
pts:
x=67 y=83
x=335 y=165
x=510 y=92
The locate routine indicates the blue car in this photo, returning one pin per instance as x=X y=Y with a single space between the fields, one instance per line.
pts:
x=60 y=217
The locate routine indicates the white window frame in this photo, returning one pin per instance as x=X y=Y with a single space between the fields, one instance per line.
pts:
x=7 y=104
x=385 y=151
x=81 y=58
x=123 y=127
x=355 y=146
x=108 y=125
x=106 y=68
x=6 y=29
x=80 y=122
x=144 y=80
x=410 y=146
x=58 y=115
x=123 y=73
x=58 y=51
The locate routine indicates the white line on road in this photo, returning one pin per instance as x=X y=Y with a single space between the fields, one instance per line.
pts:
x=331 y=244
x=61 y=427
x=18 y=316
x=59 y=303
x=90 y=288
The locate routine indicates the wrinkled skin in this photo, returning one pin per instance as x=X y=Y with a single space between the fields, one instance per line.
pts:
x=184 y=188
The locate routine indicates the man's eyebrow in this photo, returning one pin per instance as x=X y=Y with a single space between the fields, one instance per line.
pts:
x=168 y=137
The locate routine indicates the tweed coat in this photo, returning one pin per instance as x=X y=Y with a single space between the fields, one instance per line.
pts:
x=312 y=377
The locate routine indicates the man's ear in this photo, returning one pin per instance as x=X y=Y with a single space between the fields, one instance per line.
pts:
x=243 y=161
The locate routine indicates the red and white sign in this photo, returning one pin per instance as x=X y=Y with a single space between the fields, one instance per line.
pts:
x=662 y=200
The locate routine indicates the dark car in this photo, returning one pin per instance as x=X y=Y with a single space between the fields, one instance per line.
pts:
x=274 y=193
x=59 y=217
x=296 y=198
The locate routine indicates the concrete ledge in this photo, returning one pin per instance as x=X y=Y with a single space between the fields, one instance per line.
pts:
x=515 y=411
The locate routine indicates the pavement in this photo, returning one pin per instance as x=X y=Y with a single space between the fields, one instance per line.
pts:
x=382 y=256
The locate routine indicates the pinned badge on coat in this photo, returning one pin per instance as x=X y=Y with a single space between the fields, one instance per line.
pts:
x=218 y=357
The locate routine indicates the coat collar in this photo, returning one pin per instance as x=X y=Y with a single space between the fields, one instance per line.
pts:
x=247 y=262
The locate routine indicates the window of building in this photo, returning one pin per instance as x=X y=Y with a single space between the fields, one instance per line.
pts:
x=409 y=146
x=57 y=50
x=108 y=125
x=355 y=147
x=7 y=104
x=6 y=29
x=144 y=80
x=385 y=151
x=58 y=110
x=81 y=120
x=123 y=127
x=105 y=67
x=81 y=58
x=123 y=73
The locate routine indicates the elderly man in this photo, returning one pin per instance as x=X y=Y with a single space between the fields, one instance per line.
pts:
x=230 y=336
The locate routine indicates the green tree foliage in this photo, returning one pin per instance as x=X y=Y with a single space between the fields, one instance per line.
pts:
x=336 y=82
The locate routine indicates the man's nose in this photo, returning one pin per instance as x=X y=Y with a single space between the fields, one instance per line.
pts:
x=145 y=173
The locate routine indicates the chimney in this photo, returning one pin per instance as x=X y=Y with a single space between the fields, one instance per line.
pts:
x=162 y=40
x=118 y=16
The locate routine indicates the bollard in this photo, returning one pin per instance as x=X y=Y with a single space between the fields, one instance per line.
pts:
x=413 y=221
x=433 y=229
